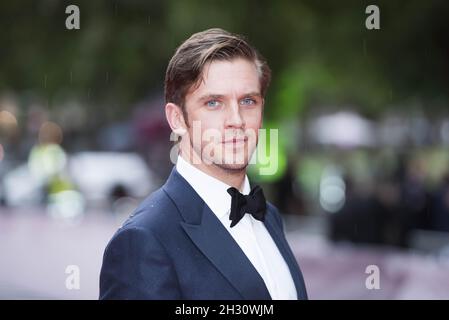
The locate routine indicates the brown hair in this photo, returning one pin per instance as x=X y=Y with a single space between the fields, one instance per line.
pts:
x=185 y=67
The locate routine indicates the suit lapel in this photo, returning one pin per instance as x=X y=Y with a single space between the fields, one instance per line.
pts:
x=286 y=253
x=214 y=241
x=212 y=238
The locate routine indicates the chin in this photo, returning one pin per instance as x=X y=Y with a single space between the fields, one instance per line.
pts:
x=233 y=163
x=232 y=166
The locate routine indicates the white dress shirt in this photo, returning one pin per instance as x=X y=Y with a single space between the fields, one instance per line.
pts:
x=250 y=234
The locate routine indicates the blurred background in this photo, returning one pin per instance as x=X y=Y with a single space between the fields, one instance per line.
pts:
x=363 y=119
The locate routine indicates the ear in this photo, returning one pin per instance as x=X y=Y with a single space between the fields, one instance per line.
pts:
x=175 y=118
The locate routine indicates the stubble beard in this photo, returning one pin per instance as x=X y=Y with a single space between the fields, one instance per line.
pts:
x=230 y=168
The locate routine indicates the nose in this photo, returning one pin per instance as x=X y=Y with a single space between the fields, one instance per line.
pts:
x=234 y=118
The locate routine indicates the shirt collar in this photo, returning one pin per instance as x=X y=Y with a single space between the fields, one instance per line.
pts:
x=211 y=190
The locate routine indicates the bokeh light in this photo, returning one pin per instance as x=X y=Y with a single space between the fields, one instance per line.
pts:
x=50 y=132
x=8 y=122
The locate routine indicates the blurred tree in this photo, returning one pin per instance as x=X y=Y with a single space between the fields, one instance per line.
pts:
x=320 y=51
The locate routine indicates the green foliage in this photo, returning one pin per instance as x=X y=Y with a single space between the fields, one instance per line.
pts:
x=320 y=51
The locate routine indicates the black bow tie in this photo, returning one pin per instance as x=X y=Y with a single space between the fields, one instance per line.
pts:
x=253 y=203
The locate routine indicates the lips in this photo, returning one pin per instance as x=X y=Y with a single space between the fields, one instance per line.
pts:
x=236 y=140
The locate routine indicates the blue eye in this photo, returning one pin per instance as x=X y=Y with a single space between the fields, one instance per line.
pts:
x=248 y=101
x=213 y=103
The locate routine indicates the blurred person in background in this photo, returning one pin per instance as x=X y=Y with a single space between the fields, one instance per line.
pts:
x=439 y=219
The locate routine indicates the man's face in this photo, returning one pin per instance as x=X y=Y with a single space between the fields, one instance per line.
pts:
x=224 y=114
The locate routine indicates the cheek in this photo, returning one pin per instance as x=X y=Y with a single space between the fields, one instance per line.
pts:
x=252 y=125
x=210 y=120
x=253 y=119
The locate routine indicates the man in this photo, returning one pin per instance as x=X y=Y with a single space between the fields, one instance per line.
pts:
x=204 y=234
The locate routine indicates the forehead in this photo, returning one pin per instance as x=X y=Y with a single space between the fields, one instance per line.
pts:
x=238 y=76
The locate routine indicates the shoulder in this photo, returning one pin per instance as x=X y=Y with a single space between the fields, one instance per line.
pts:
x=154 y=212
x=151 y=221
x=138 y=260
x=146 y=230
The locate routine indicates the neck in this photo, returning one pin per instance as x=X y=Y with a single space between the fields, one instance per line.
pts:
x=233 y=178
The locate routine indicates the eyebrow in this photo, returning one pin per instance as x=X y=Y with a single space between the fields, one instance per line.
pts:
x=221 y=96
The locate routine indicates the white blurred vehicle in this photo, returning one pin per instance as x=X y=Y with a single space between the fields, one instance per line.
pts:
x=100 y=177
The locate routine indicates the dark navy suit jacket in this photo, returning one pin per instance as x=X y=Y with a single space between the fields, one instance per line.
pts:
x=174 y=247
